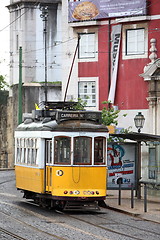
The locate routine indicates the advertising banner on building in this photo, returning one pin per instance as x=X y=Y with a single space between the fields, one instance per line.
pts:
x=121 y=162
x=99 y=9
x=116 y=37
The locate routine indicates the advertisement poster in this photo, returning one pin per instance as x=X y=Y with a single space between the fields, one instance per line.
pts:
x=99 y=9
x=121 y=162
x=116 y=38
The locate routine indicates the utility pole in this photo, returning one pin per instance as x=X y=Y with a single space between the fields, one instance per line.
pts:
x=20 y=88
x=44 y=16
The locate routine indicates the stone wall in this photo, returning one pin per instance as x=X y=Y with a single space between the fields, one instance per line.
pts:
x=31 y=94
x=3 y=128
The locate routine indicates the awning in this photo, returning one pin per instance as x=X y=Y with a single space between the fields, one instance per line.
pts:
x=138 y=137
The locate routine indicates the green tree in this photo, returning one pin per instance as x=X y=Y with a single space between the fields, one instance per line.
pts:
x=110 y=117
x=109 y=114
x=80 y=104
x=3 y=83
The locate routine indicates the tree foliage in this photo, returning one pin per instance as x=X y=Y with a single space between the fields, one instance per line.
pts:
x=81 y=104
x=3 y=83
x=109 y=114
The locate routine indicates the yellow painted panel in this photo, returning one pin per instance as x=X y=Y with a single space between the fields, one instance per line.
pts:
x=111 y=129
x=49 y=170
x=79 y=178
x=30 y=179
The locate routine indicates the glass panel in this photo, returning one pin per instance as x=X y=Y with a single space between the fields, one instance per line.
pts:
x=99 y=150
x=18 y=155
x=62 y=150
x=87 y=92
x=87 y=45
x=82 y=150
x=135 y=42
x=49 y=151
x=27 y=151
x=152 y=163
x=29 y=156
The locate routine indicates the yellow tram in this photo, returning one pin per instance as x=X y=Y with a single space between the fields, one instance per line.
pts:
x=60 y=157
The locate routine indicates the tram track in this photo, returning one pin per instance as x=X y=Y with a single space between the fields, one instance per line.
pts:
x=13 y=235
x=87 y=222
x=51 y=220
x=136 y=228
x=27 y=225
x=109 y=229
x=9 y=180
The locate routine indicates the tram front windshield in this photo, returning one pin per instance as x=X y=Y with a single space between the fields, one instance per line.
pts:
x=82 y=150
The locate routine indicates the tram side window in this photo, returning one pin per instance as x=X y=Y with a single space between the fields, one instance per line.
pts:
x=31 y=151
x=26 y=151
x=62 y=150
x=99 y=150
x=48 y=151
x=18 y=151
x=82 y=150
x=20 y=156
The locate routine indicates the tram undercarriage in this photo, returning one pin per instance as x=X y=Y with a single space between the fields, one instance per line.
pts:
x=65 y=203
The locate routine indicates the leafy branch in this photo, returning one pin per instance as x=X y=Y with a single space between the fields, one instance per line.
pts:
x=3 y=83
x=109 y=114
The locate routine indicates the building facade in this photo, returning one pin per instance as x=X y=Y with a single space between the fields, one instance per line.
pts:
x=39 y=37
x=117 y=60
x=101 y=50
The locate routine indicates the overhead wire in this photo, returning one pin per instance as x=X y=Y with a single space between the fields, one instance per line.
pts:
x=37 y=2
x=40 y=49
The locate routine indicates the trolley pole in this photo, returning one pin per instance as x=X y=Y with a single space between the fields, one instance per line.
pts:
x=44 y=16
x=65 y=95
x=20 y=88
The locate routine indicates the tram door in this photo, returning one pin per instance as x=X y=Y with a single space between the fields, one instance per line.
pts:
x=48 y=165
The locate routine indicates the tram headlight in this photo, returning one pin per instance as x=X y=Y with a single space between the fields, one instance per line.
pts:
x=97 y=192
x=65 y=192
x=71 y=192
x=76 y=192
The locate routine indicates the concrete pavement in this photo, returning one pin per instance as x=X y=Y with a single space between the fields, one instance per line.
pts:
x=138 y=210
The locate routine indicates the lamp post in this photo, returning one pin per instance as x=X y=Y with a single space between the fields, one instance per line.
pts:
x=44 y=16
x=139 y=121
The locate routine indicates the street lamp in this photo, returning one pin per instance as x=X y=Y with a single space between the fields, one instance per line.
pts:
x=139 y=121
x=44 y=16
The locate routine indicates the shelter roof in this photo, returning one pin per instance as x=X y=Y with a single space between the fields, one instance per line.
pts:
x=138 y=137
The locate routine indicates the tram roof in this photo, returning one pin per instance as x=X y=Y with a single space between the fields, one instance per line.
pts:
x=63 y=120
x=64 y=126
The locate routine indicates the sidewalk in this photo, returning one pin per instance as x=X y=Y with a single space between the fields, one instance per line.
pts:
x=153 y=205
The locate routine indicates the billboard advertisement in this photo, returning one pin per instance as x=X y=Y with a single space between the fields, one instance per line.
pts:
x=121 y=162
x=99 y=9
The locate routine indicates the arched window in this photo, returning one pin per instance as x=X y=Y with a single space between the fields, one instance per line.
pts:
x=62 y=150
x=82 y=150
x=99 y=150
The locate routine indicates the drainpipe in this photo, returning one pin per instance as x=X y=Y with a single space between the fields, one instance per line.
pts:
x=109 y=57
x=20 y=88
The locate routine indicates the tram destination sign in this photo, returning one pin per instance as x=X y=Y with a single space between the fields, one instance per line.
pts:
x=68 y=115
x=79 y=115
